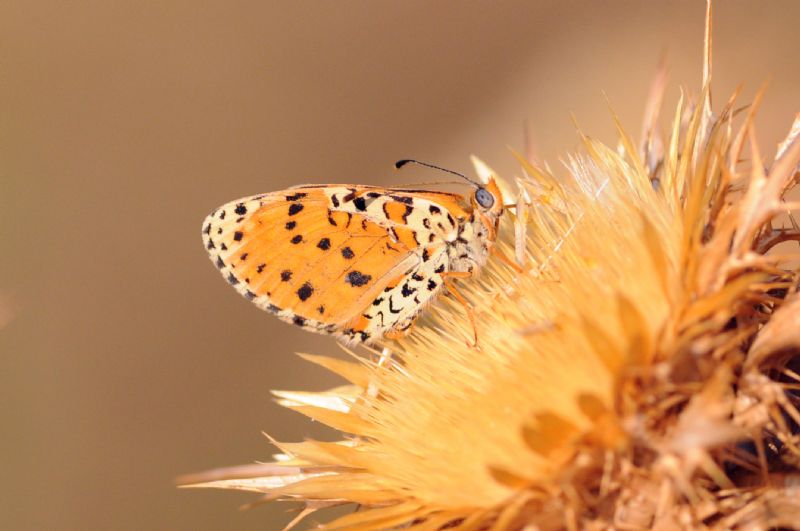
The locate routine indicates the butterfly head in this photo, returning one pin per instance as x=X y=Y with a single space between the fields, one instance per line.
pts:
x=487 y=203
x=488 y=199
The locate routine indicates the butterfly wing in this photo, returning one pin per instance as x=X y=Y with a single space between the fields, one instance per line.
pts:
x=319 y=256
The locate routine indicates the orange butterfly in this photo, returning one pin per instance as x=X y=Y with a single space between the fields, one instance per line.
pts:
x=355 y=261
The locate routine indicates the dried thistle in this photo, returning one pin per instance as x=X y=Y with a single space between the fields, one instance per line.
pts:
x=641 y=373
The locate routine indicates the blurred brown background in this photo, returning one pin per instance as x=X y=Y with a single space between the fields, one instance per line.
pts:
x=127 y=360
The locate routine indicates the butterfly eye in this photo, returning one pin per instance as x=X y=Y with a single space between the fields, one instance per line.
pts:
x=484 y=198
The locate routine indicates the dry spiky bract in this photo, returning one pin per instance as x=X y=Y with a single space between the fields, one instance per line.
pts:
x=639 y=374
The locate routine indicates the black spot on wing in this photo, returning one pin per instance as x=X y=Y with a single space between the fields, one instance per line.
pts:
x=294 y=208
x=290 y=225
x=335 y=201
x=286 y=275
x=305 y=291
x=240 y=209
x=232 y=279
x=237 y=236
x=299 y=321
x=260 y=268
x=249 y=295
x=295 y=197
x=360 y=203
x=406 y=292
x=321 y=310
x=357 y=279
x=403 y=199
x=432 y=285
x=207 y=230
x=433 y=209
x=440 y=269
x=220 y=263
x=409 y=210
x=324 y=244
x=297 y=239
x=348 y=253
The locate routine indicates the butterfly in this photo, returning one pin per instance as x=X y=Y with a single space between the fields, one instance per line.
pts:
x=355 y=261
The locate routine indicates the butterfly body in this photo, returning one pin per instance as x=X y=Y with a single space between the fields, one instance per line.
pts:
x=359 y=262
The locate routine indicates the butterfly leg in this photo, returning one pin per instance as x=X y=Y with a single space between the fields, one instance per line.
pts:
x=451 y=288
x=373 y=388
x=401 y=331
x=505 y=259
x=384 y=360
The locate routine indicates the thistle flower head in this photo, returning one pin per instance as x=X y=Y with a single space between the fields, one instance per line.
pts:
x=639 y=371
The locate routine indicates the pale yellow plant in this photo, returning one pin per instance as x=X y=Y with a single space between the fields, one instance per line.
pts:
x=640 y=373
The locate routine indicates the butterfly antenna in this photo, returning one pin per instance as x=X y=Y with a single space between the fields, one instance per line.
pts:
x=400 y=163
x=424 y=183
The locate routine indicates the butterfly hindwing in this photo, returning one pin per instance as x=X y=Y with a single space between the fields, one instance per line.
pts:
x=395 y=308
